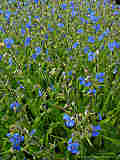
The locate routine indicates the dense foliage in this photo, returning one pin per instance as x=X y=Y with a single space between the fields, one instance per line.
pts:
x=59 y=80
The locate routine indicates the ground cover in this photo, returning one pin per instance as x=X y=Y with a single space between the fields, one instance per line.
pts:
x=59 y=80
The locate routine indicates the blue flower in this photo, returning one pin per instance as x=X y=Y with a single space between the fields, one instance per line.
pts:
x=111 y=45
x=73 y=13
x=12 y=140
x=36 y=1
x=66 y=117
x=90 y=11
x=23 y=31
x=21 y=87
x=36 y=17
x=63 y=6
x=14 y=105
x=46 y=51
x=70 y=73
x=22 y=138
x=86 y=49
x=101 y=80
x=10 y=61
x=115 y=71
x=53 y=11
x=98 y=4
x=88 y=84
x=0 y=57
x=96 y=27
x=34 y=56
x=102 y=47
x=60 y=16
x=73 y=147
x=40 y=93
x=116 y=13
x=28 y=25
x=113 y=6
x=1 y=29
x=1 y=12
x=46 y=36
x=27 y=41
x=8 y=134
x=80 y=30
x=48 y=59
x=83 y=20
x=75 y=44
x=82 y=80
x=100 y=117
x=91 y=56
x=52 y=87
x=106 y=32
x=94 y=19
x=99 y=77
x=16 y=139
x=95 y=130
x=92 y=91
x=8 y=42
x=100 y=86
x=42 y=42
x=16 y=147
x=68 y=121
x=86 y=21
x=71 y=3
x=71 y=57
x=7 y=15
x=101 y=74
x=70 y=141
x=60 y=25
x=100 y=38
x=37 y=50
x=49 y=28
x=32 y=132
x=117 y=44
x=91 y=39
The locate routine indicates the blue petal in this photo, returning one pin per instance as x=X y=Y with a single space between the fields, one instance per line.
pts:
x=97 y=127
x=12 y=140
x=22 y=138
x=100 y=117
x=95 y=133
x=70 y=123
x=66 y=117
x=80 y=31
x=32 y=132
x=88 y=84
x=75 y=44
x=70 y=141
x=60 y=25
x=40 y=93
